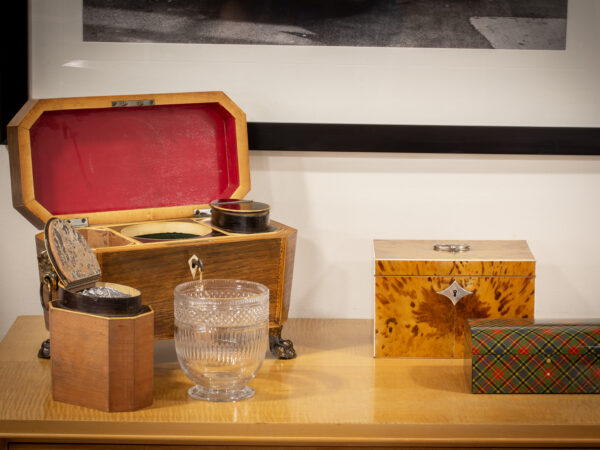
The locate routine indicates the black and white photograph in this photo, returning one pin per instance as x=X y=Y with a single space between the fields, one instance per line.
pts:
x=479 y=24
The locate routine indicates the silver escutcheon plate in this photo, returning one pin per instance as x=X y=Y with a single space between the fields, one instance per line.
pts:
x=454 y=292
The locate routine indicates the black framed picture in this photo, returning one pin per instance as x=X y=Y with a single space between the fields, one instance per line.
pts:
x=462 y=77
x=528 y=25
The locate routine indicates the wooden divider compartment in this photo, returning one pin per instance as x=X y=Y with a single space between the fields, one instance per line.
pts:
x=104 y=238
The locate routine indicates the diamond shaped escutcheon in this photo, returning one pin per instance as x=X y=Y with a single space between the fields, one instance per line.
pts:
x=454 y=292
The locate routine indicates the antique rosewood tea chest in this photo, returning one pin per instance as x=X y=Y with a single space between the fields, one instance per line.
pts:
x=526 y=356
x=425 y=291
x=138 y=173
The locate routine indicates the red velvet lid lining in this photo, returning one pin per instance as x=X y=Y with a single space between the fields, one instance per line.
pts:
x=110 y=159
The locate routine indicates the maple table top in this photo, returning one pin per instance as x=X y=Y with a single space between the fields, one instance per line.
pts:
x=333 y=393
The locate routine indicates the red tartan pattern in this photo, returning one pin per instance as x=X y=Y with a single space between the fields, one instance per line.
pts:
x=522 y=356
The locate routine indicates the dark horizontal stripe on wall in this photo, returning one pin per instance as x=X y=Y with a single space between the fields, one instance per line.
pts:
x=423 y=139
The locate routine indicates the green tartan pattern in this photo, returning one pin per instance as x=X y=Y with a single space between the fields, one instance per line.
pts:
x=526 y=356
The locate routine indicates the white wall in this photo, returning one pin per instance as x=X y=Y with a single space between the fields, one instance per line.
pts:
x=341 y=201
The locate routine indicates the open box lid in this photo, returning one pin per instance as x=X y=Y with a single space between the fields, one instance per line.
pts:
x=131 y=158
x=70 y=255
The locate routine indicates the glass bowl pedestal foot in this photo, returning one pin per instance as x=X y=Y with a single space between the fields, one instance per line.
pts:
x=220 y=395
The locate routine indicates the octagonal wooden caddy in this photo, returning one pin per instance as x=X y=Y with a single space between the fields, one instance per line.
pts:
x=137 y=174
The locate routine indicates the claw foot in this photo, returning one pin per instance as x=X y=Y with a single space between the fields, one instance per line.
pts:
x=280 y=348
x=44 y=351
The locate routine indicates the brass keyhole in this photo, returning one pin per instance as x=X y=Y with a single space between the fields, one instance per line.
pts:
x=455 y=292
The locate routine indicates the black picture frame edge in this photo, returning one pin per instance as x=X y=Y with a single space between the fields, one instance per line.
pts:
x=14 y=68
x=424 y=138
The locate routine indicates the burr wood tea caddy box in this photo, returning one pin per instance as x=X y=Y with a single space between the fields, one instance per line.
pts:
x=425 y=291
x=129 y=167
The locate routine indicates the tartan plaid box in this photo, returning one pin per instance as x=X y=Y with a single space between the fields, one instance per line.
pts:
x=528 y=356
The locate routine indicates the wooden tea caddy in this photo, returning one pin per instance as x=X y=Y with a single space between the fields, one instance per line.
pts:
x=426 y=290
x=102 y=343
x=127 y=166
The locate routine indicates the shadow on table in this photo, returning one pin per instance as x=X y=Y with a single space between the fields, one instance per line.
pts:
x=449 y=378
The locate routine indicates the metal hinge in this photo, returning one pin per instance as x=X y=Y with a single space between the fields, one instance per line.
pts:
x=202 y=212
x=79 y=222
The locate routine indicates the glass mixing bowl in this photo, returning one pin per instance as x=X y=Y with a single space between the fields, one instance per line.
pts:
x=221 y=336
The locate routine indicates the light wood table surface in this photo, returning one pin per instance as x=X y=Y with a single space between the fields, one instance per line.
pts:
x=335 y=393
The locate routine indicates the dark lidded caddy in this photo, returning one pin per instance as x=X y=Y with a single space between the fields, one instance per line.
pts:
x=527 y=356
x=137 y=175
